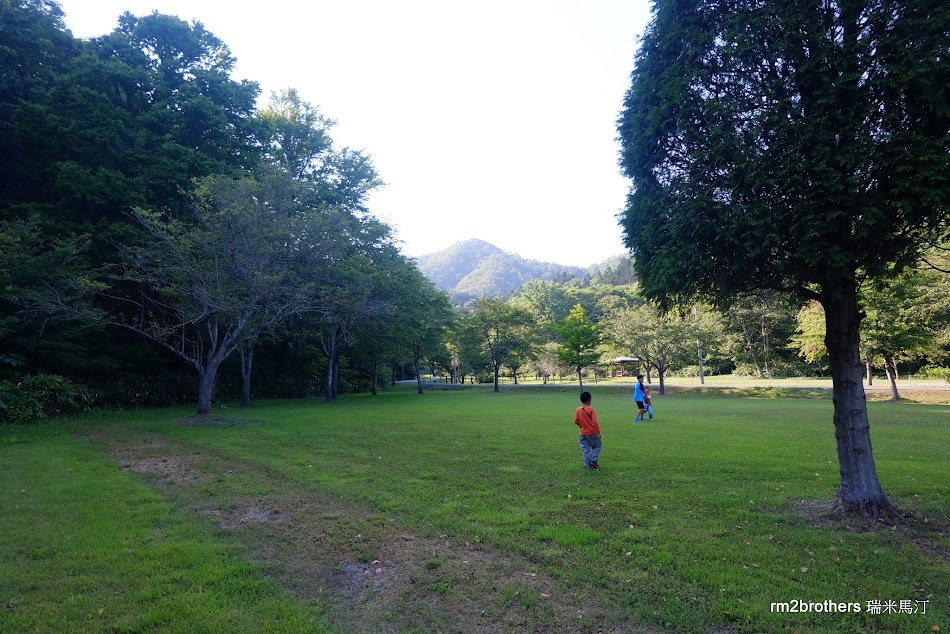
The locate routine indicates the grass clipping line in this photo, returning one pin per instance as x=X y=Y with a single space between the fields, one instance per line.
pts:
x=366 y=572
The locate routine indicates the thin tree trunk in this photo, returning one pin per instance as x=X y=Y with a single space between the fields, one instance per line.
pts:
x=335 y=384
x=329 y=347
x=891 y=370
x=580 y=378
x=860 y=489
x=416 y=358
x=870 y=371
x=375 y=366
x=247 y=361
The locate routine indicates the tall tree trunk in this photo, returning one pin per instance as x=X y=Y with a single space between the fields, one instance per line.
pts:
x=860 y=489
x=329 y=347
x=375 y=368
x=497 y=367
x=335 y=383
x=580 y=377
x=247 y=361
x=416 y=359
x=208 y=378
x=870 y=371
x=891 y=370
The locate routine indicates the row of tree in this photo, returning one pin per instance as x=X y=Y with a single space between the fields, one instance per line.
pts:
x=551 y=329
x=156 y=226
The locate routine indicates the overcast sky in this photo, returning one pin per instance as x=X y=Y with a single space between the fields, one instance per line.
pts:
x=492 y=119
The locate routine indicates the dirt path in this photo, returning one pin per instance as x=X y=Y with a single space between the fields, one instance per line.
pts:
x=360 y=568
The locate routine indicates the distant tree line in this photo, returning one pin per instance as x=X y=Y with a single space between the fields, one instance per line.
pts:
x=549 y=329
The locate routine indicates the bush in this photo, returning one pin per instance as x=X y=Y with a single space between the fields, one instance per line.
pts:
x=929 y=372
x=40 y=396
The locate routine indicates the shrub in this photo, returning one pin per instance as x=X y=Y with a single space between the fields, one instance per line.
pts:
x=930 y=372
x=40 y=396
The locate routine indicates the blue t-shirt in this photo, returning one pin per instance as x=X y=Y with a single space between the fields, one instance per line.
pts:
x=638 y=392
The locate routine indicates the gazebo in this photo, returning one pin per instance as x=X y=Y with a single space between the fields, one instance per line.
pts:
x=623 y=362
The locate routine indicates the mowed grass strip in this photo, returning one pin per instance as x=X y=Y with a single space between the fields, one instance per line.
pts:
x=699 y=511
x=697 y=520
x=85 y=548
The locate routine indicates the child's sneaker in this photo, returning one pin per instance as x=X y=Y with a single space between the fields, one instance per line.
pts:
x=638 y=420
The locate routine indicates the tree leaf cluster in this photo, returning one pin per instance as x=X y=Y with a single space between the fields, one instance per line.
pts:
x=151 y=213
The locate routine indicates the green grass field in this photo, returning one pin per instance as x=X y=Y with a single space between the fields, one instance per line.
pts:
x=468 y=511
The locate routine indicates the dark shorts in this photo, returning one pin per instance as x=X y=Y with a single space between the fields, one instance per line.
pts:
x=639 y=404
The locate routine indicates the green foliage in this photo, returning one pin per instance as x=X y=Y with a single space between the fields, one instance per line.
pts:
x=579 y=340
x=934 y=373
x=506 y=334
x=771 y=145
x=40 y=396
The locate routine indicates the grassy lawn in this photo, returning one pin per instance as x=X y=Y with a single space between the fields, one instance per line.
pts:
x=469 y=511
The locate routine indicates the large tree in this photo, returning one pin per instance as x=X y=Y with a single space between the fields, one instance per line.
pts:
x=794 y=147
x=505 y=331
x=656 y=338
x=210 y=285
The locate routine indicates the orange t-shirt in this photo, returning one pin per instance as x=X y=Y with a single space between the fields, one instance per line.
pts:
x=586 y=419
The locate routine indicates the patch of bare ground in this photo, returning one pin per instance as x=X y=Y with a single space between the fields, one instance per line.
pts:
x=211 y=420
x=362 y=569
x=930 y=535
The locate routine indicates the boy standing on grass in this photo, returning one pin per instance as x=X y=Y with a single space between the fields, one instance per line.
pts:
x=586 y=418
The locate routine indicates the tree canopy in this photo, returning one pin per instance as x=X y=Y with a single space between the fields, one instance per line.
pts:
x=776 y=146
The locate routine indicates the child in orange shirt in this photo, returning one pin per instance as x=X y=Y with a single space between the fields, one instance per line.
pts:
x=586 y=418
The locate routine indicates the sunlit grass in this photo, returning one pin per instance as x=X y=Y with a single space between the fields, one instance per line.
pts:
x=84 y=548
x=694 y=520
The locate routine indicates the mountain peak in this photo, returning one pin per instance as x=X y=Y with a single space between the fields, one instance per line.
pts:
x=475 y=268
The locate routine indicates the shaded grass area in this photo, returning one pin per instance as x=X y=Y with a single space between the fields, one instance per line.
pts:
x=696 y=522
x=87 y=549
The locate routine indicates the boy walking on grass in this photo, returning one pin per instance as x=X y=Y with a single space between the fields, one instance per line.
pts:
x=586 y=418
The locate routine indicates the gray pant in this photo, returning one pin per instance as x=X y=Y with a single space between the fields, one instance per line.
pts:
x=590 y=446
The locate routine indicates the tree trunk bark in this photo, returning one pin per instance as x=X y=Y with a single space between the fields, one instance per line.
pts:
x=416 y=357
x=580 y=378
x=497 y=367
x=375 y=390
x=892 y=379
x=208 y=377
x=329 y=348
x=870 y=371
x=247 y=361
x=860 y=489
x=335 y=384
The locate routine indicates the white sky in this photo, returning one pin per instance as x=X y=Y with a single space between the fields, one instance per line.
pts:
x=492 y=119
